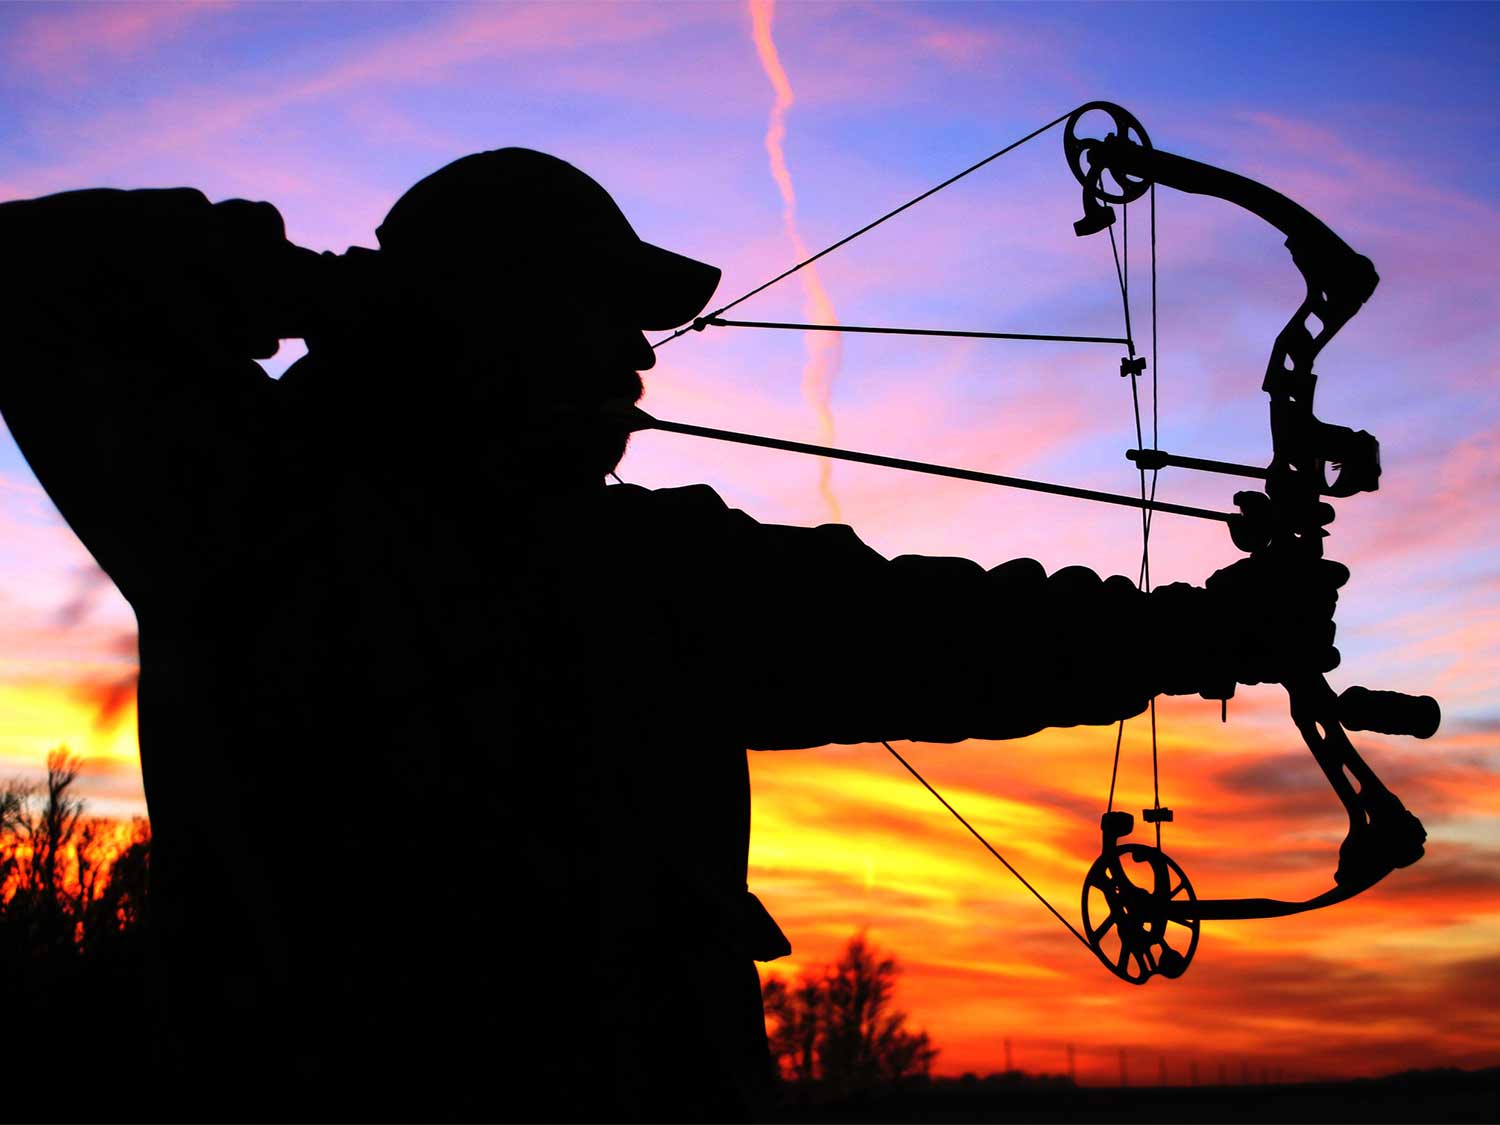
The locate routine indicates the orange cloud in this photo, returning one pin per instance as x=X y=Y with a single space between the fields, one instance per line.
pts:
x=838 y=845
x=38 y=716
x=113 y=701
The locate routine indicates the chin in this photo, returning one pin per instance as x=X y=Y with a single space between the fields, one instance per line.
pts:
x=581 y=457
x=610 y=451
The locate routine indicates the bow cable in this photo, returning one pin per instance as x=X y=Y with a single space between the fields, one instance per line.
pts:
x=1131 y=368
x=975 y=832
x=720 y=322
x=722 y=309
x=1146 y=535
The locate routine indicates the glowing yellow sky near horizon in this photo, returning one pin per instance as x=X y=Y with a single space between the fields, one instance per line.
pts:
x=845 y=841
x=36 y=716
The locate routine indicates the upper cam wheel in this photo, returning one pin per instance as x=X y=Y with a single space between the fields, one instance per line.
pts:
x=1086 y=158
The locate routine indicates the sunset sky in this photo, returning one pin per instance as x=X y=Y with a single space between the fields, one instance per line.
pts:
x=747 y=135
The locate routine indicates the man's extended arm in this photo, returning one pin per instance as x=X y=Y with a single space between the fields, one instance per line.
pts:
x=818 y=639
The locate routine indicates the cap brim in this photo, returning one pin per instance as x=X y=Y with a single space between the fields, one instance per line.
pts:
x=669 y=289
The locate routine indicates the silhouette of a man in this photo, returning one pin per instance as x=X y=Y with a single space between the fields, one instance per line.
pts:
x=443 y=739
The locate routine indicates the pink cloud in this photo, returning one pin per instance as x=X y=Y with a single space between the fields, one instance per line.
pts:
x=193 y=121
x=886 y=54
x=1438 y=274
x=1441 y=509
x=1357 y=168
x=64 y=42
x=63 y=619
x=489 y=32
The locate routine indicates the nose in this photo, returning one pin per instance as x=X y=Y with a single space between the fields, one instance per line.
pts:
x=643 y=357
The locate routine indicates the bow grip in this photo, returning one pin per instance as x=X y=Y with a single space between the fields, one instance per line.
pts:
x=1389 y=712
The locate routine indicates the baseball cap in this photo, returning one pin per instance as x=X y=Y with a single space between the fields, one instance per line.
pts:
x=540 y=206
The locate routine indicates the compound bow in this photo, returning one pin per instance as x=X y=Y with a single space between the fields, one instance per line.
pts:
x=1140 y=913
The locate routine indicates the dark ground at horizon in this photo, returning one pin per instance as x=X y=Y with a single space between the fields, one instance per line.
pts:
x=1417 y=1096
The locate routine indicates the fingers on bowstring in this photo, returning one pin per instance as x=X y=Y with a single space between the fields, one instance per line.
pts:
x=1335 y=574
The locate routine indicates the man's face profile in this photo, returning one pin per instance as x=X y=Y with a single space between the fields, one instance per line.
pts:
x=528 y=367
x=529 y=295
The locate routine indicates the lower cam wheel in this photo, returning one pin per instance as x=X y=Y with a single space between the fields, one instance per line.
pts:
x=1127 y=894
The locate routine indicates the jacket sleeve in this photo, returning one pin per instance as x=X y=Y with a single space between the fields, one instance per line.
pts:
x=814 y=638
x=127 y=378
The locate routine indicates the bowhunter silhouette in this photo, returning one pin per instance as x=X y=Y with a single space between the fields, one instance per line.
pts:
x=444 y=740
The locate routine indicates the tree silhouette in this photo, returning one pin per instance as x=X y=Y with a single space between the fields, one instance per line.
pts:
x=67 y=879
x=73 y=892
x=836 y=1031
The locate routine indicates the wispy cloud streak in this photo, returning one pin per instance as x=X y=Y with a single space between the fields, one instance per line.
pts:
x=824 y=350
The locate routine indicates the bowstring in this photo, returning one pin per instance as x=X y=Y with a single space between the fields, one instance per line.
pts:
x=891 y=214
x=1123 y=280
x=1146 y=542
x=1041 y=898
